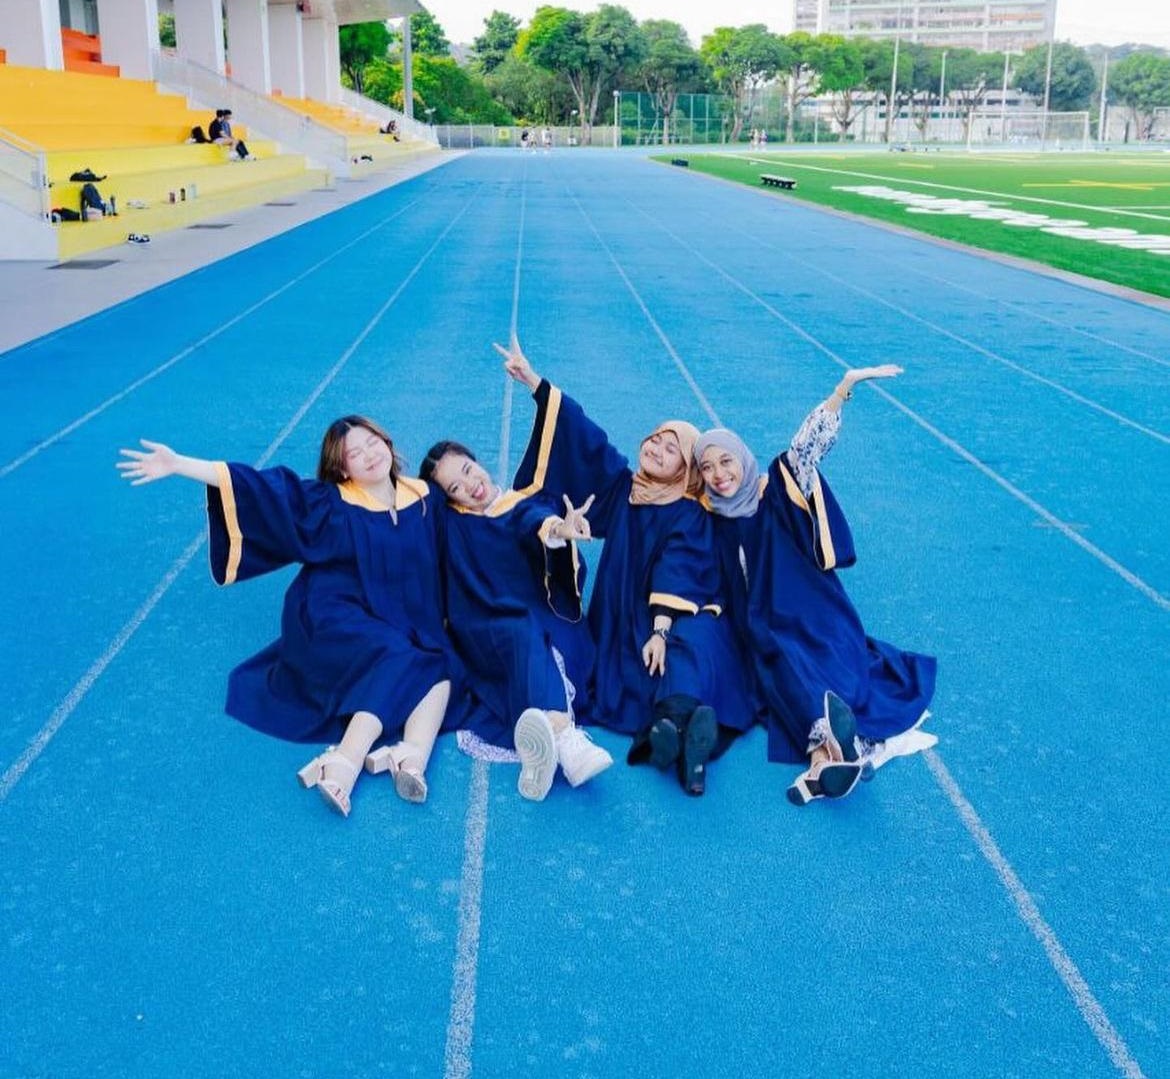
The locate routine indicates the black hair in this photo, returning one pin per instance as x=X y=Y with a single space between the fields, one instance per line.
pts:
x=426 y=471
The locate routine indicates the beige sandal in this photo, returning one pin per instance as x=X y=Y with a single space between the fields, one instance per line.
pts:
x=409 y=781
x=336 y=794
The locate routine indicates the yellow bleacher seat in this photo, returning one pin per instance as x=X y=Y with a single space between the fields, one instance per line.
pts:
x=136 y=137
x=368 y=149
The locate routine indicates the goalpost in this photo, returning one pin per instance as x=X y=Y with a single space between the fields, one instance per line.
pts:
x=1030 y=130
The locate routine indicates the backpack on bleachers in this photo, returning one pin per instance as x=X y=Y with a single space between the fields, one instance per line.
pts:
x=197 y=134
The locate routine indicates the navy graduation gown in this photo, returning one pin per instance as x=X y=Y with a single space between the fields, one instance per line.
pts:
x=653 y=556
x=362 y=623
x=800 y=627
x=510 y=602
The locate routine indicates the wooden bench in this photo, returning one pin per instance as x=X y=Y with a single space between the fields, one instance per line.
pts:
x=786 y=182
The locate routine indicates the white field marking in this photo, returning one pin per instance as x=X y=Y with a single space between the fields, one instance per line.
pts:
x=77 y=694
x=461 y=1016
x=1046 y=515
x=461 y=1020
x=666 y=342
x=1087 y=1004
x=975 y=191
x=28 y=455
x=1125 y=421
x=1090 y=1010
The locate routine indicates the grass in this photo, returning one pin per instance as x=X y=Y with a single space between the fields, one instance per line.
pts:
x=1102 y=190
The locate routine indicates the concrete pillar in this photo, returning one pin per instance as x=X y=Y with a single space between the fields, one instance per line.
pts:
x=248 y=44
x=129 y=31
x=332 y=61
x=199 y=33
x=407 y=71
x=316 y=63
x=31 y=33
x=286 y=49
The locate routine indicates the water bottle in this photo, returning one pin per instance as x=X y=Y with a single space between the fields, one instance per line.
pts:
x=113 y=207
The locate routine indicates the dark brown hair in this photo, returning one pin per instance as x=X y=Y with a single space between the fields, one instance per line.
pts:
x=426 y=471
x=331 y=463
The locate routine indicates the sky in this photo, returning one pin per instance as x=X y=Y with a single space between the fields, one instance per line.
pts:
x=1086 y=22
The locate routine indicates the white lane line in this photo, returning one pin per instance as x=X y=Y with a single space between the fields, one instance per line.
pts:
x=1047 y=515
x=942 y=331
x=1087 y=1004
x=1090 y=1010
x=64 y=432
x=461 y=1017
x=666 y=342
x=1027 y=311
x=77 y=694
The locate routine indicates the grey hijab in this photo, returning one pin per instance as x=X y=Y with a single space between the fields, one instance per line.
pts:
x=745 y=500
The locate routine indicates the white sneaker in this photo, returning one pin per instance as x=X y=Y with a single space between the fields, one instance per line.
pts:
x=536 y=744
x=581 y=759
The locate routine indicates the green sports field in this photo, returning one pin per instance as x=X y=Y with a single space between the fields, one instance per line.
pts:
x=1106 y=215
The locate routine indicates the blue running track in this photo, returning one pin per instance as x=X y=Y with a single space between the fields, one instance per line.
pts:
x=171 y=901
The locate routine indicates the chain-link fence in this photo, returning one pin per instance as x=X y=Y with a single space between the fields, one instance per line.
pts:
x=473 y=136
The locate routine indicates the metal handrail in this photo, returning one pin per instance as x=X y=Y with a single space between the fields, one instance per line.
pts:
x=24 y=177
x=292 y=130
x=383 y=113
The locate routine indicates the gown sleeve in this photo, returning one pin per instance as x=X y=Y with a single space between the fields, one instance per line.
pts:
x=564 y=571
x=815 y=521
x=568 y=454
x=684 y=577
x=261 y=520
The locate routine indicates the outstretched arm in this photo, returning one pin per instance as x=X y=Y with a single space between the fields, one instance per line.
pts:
x=844 y=389
x=159 y=461
x=818 y=432
x=517 y=365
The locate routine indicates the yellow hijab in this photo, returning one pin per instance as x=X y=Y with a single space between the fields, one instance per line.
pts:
x=650 y=492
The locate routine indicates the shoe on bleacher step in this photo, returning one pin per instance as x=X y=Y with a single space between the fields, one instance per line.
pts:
x=581 y=758
x=138 y=238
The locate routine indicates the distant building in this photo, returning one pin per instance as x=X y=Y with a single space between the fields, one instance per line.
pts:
x=987 y=25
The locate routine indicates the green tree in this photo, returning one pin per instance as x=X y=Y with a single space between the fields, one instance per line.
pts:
x=670 y=66
x=842 y=71
x=495 y=44
x=969 y=74
x=360 y=43
x=426 y=35
x=454 y=94
x=741 y=61
x=1073 y=79
x=166 y=30
x=529 y=92
x=1142 y=83
x=589 y=51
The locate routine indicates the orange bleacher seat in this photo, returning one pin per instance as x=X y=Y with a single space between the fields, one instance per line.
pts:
x=83 y=52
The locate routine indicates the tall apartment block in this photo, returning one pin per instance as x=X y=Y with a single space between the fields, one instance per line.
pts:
x=987 y=25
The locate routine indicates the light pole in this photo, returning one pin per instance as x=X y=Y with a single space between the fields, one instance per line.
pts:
x=617 y=118
x=894 y=77
x=1003 y=99
x=1104 y=103
x=942 y=91
x=1047 y=94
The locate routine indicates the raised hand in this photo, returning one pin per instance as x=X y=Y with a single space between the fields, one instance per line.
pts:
x=575 y=525
x=156 y=463
x=516 y=363
x=861 y=374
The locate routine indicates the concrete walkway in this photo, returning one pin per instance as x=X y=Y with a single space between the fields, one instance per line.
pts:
x=37 y=298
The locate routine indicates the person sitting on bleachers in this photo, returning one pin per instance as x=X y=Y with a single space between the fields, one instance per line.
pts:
x=220 y=132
